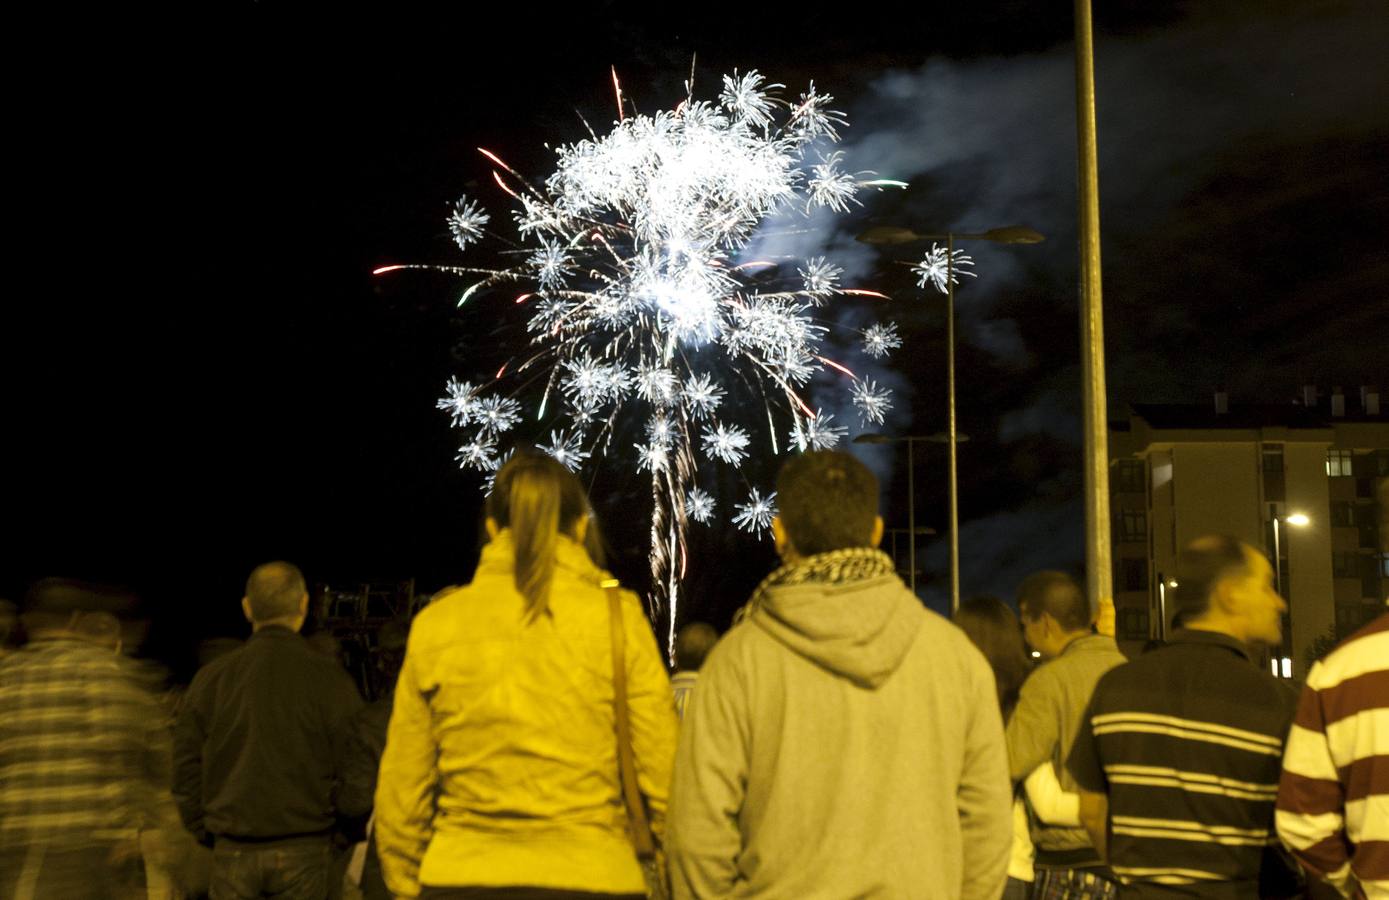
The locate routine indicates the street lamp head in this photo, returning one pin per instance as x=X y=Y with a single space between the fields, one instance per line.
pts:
x=1013 y=234
x=888 y=234
x=872 y=439
x=1298 y=519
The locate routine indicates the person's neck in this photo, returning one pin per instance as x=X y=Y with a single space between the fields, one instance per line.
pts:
x=291 y=624
x=1067 y=640
x=1218 y=626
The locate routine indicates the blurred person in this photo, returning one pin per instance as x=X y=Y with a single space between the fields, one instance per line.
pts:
x=1056 y=621
x=500 y=776
x=844 y=741
x=9 y=626
x=258 y=747
x=994 y=628
x=1333 y=796
x=1178 y=755
x=692 y=644
x=366 y=742
x=84 y=755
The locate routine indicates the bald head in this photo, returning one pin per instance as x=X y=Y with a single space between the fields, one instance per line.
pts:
x=275 y=591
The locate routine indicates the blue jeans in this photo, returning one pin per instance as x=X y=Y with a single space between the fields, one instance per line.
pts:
x=294 y=869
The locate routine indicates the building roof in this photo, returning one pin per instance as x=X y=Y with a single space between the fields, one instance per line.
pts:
x=1252 y=415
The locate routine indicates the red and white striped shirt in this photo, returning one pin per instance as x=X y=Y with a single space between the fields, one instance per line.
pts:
x=1333 y=798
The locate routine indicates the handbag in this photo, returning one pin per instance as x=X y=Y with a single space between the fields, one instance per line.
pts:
x=638 y=823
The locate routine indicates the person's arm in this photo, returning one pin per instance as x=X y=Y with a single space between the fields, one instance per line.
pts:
x=406 y=785
x=709 y=783
x=1034 y=728
x=1311 y=798
x=1049 y=801
x=984 y=798
x=1086 y=767
x=652 y=711
x=189 y=736
x=1094 y=815
x=360 y=759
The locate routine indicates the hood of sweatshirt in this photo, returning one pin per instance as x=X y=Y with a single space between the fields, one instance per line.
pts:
x=860 y=630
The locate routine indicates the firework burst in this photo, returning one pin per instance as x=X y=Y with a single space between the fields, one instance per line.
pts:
x=639 y=307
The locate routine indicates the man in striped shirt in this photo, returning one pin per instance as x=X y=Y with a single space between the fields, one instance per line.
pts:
x=1333 y=800
x=1179 y=754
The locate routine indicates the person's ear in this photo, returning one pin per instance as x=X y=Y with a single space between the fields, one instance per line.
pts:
x=246 y=609
x=877 y=539
x=1226 y=599
x=780 y=537
x=493 y=529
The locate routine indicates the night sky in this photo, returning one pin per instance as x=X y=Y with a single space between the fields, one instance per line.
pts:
x=206 y=375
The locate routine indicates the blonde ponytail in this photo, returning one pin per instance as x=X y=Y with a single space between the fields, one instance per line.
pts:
x=537 y=498
x=534 y=514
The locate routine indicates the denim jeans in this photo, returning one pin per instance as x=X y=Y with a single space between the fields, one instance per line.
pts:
x=295 y=869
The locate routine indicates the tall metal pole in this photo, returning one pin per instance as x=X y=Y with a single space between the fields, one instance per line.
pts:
x=1098 y=565
x=951 y=435
x=1277 y=560
x=911 y=515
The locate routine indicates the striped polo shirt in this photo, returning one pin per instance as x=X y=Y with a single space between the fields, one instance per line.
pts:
x=1187 y=741
x=1333 y=803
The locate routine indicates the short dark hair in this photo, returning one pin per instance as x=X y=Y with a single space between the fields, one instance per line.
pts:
x=827 y=500
x=1056 y=594
x=1201 y=565
x=274 y=591
x=692 y=644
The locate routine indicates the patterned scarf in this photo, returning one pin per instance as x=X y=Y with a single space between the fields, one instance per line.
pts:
x=835 y=567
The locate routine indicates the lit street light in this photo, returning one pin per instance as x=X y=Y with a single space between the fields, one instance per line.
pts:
x=1007 y=234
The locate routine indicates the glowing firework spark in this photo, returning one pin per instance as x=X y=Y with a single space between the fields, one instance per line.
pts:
x=646 y=327
x=932 y=267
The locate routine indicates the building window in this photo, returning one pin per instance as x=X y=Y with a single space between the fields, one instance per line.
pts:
x=1129 y=477
x=1340 y=463
x=1345 y=564
x=1133 y=624
x=1133 y=525
x=1343 y=513
x=1384 y=565
x=1133 y=574
x=1382 y=463
x=1273 y=458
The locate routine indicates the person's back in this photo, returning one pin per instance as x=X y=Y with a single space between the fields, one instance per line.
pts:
x=501 y=762
x=269 y=719
x=844 y=741
x=257 y=749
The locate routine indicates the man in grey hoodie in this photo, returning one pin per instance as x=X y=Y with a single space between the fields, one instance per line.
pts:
x=844 y=741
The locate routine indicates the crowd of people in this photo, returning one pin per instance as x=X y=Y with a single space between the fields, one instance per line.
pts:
x=839 y=741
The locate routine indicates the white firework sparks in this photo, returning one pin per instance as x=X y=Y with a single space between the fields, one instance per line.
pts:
x=831 y=188
x=496 y=414
x=931 y=269
x=819 y=279
x=816 y=433
x=460 y=401
x=699 y=505
x=880 y=339
x=479 y=453
x=646 y=325
x=726 y=442
x=872 y=402
x=466 y=221
x=757 y=513
x=702 y=396
x=567 y=449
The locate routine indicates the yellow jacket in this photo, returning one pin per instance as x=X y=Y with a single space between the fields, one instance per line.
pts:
x=501 y=760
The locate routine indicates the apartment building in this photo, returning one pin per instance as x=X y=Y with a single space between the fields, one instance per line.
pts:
x=1298 y=480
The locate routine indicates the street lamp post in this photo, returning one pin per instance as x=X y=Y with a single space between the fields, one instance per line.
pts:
x=1008 y=234
x=1298 y=520
x=910 y=440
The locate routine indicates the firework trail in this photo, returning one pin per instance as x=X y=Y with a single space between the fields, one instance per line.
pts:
x=642 y=320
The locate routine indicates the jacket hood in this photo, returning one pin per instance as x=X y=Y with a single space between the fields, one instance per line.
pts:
x=860 y=630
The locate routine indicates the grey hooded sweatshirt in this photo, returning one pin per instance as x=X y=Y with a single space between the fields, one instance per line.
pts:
x=844 y=742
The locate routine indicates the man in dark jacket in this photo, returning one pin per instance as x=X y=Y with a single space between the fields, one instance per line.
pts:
x=258 y=750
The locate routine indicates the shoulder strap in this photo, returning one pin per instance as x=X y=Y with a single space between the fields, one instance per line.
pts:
x=642 y=840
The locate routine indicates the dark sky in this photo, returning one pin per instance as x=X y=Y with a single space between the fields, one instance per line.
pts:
x=206 y=375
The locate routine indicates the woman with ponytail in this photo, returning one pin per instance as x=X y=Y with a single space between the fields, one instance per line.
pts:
x=500 y=775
